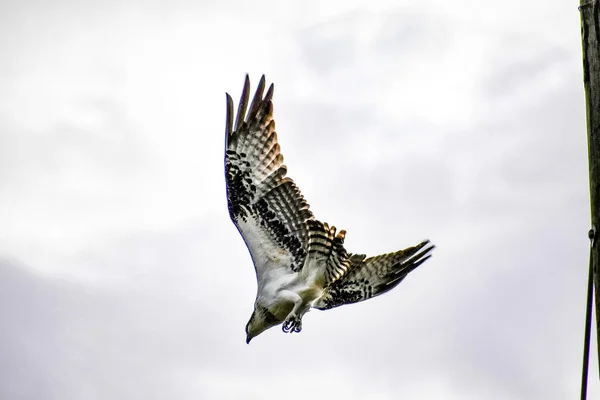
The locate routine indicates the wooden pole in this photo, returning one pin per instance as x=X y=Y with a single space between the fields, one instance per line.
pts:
x=590 y=32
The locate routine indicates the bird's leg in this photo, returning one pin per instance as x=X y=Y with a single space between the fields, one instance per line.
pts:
x=293 y=322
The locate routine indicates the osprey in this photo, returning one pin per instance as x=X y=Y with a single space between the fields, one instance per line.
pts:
x=300 y=262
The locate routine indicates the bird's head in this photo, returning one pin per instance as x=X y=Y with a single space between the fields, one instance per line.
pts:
x=260 y=320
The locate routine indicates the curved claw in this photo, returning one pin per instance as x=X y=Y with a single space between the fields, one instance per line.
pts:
x=293 y=324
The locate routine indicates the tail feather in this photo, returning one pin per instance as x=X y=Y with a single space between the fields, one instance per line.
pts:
x=324 y=243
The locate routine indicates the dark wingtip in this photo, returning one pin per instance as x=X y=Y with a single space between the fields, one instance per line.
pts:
x=424 y=249
x=421 y=252
x=269 y=95
x=417 y=255
x=426 y=246
x=242 y=106
x=228 y=117
x=257 y=99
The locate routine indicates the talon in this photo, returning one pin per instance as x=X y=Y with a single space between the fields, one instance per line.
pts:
x=292 y=324
x=298 y=325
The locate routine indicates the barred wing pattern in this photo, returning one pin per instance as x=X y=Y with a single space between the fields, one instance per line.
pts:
x=369 y=277
x=327 y=248
x=282 y=234
x=266 y=206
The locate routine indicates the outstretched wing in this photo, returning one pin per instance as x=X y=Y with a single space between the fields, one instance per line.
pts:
x=369 y=277
x=266 y=206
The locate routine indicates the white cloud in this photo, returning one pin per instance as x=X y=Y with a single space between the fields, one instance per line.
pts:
x=442 y=121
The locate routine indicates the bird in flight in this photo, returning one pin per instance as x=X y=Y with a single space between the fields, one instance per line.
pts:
x=300 y=262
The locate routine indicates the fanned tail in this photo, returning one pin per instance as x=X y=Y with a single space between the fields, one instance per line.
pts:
x=327 y=246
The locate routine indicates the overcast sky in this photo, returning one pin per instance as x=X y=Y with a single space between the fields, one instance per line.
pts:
x=122 y=277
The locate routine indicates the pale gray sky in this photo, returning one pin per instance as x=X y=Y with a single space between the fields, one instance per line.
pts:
x=122 y=277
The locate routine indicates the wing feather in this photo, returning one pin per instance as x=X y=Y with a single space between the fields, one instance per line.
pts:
x=239 y=119
x=369 y=277
x=327 y=249
x=266 y=206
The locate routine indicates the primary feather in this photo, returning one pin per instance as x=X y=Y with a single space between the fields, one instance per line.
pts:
x=300 y=262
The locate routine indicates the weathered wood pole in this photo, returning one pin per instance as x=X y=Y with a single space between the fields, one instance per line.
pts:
x=590 y=32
